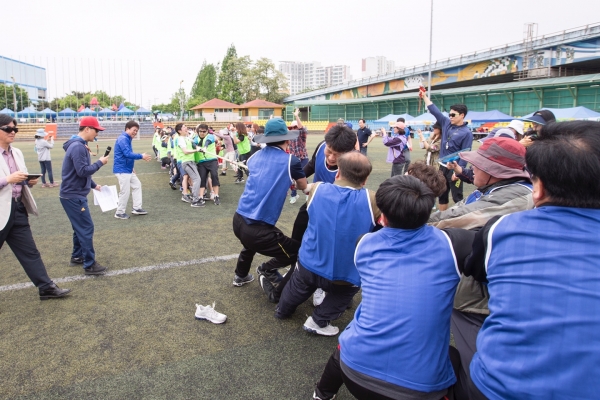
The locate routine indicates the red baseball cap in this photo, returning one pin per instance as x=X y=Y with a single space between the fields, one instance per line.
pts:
x=91 y=122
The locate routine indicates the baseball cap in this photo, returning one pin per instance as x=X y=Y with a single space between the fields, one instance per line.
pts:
x=537 y=119
x=91 y=122
x=400 y=125
x=517 y=125
x=500 y=157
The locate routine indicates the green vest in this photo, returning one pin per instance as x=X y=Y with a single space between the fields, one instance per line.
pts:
x=244 y=147
x=186 y=157
x=176 y=151
x=162 y=151
x=211 y=148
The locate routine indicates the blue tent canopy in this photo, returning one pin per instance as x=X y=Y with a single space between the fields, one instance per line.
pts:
x=86 y=112
x=143 y=111
x=394 y=117
x=48 y=113
x=7 y=111
x=124 y=111
x=424 y=117
x=28 y=112
x=488 y=116
x=106 y=112
x=67 y=112
x=571 y=113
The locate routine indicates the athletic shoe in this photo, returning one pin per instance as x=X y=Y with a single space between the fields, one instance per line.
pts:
x=187 y=198
x=122 y=216
x=212 y=195
x=294 y=199
x=172 y=184
x=45 y=186
x=318 y=297
x=238 y=180
x=217 y=200
x=208 y=313
x=206 y=196
x=312 y=327
x=318 y=397
x=95 y=269
x=223 y=174
x=76 y=262
x=272 y=275
x=237 y=281
x=198 y=203
x=139 y=211
x=269 y=289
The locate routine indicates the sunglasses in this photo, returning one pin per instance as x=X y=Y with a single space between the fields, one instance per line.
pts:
x=452 y=115
x=9 y=129
x=202 y=131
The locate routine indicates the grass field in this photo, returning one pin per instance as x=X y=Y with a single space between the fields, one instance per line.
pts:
x=132 y=334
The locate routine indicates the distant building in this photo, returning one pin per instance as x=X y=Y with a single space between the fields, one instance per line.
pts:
x=373 y=66
x=302 y=76
x=29 y=77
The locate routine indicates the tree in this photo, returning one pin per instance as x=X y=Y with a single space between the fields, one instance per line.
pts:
x=7 y=98
x=271 y=83
x=232 y=70
x=205 y=86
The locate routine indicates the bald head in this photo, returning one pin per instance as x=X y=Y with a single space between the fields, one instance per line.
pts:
x=354 y=167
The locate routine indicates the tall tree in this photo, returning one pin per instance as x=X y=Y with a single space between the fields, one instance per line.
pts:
x=232 y=69
x=205 y=86
x=7 y=98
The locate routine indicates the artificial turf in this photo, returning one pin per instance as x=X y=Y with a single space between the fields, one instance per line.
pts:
x=134 y=335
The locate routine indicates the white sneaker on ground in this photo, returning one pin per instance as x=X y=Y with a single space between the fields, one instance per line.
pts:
x=318 y=297
x=208 y=313
x=312 y=327
x=294 y=199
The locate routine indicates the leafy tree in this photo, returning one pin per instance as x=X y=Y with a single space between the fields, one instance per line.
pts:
x=232 y=69
x=7 y=98
x=205 y=86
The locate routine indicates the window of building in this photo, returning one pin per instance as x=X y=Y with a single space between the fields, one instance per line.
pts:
x=264 y=113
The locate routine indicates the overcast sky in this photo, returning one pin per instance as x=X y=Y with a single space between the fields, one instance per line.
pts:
x=150 y=46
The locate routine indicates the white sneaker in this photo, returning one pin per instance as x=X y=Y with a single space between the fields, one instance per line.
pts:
x=212 y=195
x=294 y=199
x=208 y=313
x=312 y=327
x=318 y=297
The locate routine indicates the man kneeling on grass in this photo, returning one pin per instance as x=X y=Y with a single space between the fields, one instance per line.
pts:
x=397 y=344
x=339 y=214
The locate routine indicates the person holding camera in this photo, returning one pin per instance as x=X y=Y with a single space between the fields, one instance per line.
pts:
x=395 y=144
x=42 y=147
x=17 y=203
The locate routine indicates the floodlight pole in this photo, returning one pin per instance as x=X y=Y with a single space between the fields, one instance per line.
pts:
x=430 y=51
x=14 y=96
x=181 y=99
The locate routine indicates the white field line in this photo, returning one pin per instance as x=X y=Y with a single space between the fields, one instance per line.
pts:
x=19 y=286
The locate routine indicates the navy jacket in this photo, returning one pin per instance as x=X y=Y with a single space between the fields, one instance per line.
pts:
x=76 y=170
x=454 y=138
x=124 y=155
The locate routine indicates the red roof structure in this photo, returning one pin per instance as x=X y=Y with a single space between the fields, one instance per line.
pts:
x=216 y=103
x=258 y=103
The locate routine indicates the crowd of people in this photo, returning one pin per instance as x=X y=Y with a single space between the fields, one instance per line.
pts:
x=510 y=270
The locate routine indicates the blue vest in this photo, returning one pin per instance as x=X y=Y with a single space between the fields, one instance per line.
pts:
x=337 y=217
x=542 y=338
x=267 y=185
x=322 y=173
x=400 y=331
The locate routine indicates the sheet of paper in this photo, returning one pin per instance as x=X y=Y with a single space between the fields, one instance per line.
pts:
x=107 y=198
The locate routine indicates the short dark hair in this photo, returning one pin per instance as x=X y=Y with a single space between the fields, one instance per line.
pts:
x=460 y=108
x=131 y=124
x=405 y=201
x=6 y=119
x=436 y=126
x=430 y=176
x=363 y=120
x=355 y=167
x=277 y=143
x=203 y=127
x=340 y=138
x=566 y=158
x=400 y=120
x=179 y=126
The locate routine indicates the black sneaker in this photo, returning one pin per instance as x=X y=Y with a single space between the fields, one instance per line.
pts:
x=76 y=261
x=172 y=184
x=237 y=281
x=272 y=275
x=198 y=203
x=217 y=201
x=206 y=196
x=139 y=211
x=269 y=289
x=95 y=269
x=187 y=198
x=122 y=216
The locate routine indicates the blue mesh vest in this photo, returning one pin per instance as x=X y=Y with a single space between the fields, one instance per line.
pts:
x=338 y=217
x=267 y=185
x=322 y=173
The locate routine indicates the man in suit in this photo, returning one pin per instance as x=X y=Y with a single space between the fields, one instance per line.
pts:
x=16 y=203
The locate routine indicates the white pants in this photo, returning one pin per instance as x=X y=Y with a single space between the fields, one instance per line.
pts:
x=230 y=156
x=129 y=182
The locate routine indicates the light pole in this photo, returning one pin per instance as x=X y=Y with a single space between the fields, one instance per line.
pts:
x=14 y=96
x=181 y=98
x=430 y=50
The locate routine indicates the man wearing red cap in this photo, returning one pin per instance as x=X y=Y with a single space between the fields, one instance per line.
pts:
x=77 y=171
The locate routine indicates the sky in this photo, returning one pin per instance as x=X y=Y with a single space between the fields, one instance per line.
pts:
x=144 y=50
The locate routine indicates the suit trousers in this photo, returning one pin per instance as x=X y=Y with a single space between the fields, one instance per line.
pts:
x=17 y=234
x=83 y=229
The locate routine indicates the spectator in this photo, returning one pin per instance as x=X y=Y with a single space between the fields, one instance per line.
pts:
x=298 y=147
x=431 y=145
x=365 y=136
x=395 y=144
x=43 y=148
x=408 y=148
x=539 y=119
